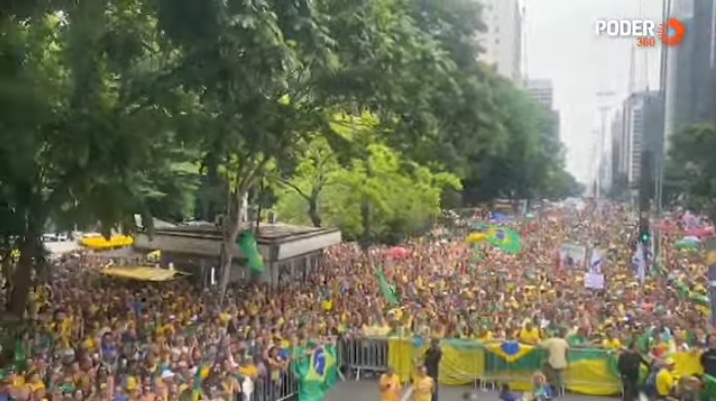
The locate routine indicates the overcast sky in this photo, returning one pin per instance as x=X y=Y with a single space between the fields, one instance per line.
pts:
x=562 y=46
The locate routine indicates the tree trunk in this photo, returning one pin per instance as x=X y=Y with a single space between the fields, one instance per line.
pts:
x=230 y=232
x=314 y=212
x=365 y=238
x=22 y=278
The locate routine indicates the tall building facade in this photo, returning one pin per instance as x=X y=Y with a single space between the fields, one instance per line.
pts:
x=541 y=91
x=618 y=171
x=502 y=40
x=641 y=128
x=689 y=77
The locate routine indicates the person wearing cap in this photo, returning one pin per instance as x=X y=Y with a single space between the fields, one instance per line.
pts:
x=389 y=385
x=664 y=380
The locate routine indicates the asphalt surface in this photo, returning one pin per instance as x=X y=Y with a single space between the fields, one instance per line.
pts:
x=366 y=390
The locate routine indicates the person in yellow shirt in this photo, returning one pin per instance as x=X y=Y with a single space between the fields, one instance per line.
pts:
x=529 y=334
x=484 y=334
x=664 y=380
x=611 y=342
x=423 y=386
x=389 y=386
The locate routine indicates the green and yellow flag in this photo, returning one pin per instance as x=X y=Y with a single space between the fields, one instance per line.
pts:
x=247 y=244
x=317 y=373
x=387 y=289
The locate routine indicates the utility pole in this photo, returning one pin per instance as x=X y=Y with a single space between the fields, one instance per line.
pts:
x=604 y=98
x=644 y=202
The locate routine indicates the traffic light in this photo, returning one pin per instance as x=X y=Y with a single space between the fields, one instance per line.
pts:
x=644 y=229
x=645 y=237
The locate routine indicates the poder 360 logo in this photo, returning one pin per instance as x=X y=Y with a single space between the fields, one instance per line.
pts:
x=645 y=32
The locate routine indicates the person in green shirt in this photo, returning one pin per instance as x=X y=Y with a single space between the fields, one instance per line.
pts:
x=709 y=389
x=577 y=338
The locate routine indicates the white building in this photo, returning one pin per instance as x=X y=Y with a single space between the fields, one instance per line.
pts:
x=641 y=127
x=502 y=40
x=541 y=91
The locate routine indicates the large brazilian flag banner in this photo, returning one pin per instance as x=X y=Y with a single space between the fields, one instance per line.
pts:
x=591 y=371
x=316 y=371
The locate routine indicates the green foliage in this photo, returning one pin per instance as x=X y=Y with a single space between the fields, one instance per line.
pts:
x=690 y=171
x=528 y=163
x=358 y=113
x=403 y=196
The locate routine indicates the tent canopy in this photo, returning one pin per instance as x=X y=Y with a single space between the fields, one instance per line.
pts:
x=143 y=273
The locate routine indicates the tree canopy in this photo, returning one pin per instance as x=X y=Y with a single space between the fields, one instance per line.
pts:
x=690 y=170
x=354 y=113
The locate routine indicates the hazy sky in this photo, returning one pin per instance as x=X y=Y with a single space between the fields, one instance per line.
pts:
x=562 y=46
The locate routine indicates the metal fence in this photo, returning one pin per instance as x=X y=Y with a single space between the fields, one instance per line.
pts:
x=361 y=357
x=283 y=387
x=479 y=366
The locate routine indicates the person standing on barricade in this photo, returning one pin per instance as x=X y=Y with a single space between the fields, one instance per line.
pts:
x=431 y=362
x=557 y=349
x=389 y=386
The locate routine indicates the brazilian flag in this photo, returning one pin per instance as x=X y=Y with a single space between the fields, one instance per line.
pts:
x=387 y=289
x=246 y=241
x=317 y=373
x=504 y=239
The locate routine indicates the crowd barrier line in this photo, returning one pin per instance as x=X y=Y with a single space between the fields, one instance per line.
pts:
x=590 y=371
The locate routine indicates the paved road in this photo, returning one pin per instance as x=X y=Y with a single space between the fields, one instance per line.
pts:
x=366 y=390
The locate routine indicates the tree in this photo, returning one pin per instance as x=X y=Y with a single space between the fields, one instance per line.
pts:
x=690 y=173
x=523 y=165
x=252 y=64
x=382 y=197
x=310 y=176
x=80 y=140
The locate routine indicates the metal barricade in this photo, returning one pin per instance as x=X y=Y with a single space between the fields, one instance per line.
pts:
x=364 y=355
x=277 y=388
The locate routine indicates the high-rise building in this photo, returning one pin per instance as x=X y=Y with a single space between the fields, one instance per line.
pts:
x=641 y=130
x=617 y=171
x=689 y=76
x=502 y=40
x=541 y=91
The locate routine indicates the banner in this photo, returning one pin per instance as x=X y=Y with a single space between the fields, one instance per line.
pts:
x=572 y=255
x=595 y=278
x=591 y=371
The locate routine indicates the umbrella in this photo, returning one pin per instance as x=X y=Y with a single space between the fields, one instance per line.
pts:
x=686 y=244
x=398 y=252
x=701 y=231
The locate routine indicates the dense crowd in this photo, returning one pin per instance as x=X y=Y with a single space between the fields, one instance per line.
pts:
x=97 y=338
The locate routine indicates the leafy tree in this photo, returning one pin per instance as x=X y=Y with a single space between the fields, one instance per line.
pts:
x=80 y=141
x=524 y=164
x=690 y=173
x=381 y=197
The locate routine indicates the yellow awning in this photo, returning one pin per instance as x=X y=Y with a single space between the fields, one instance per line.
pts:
x=143 y=273
x=98 y=242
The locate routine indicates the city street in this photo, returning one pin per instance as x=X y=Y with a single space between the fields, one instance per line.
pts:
x=367 y=390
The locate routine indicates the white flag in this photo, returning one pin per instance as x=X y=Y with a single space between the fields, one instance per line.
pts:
x=638 y=261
